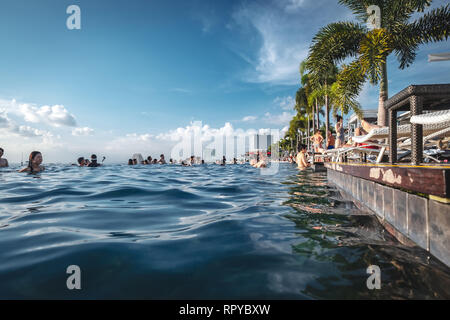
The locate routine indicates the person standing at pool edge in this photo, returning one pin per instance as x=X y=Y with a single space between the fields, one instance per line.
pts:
x=3 y=162
x=34 y=163
x=317 y=140
x=340 y=133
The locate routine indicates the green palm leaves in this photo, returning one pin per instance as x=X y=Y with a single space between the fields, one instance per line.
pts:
x=338 y=41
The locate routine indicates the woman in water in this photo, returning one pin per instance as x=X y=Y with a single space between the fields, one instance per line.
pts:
x=34 y=163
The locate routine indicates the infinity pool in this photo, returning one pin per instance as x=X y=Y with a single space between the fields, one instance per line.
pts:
x=203 y=232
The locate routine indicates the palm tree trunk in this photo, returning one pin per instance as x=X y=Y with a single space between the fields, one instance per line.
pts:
x=383 y=96
x=314 y=119
x=318 y=115
x=327 y=116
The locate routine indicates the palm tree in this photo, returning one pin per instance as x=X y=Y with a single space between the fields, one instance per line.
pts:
x=323 y=75
x=344 y=101
x=370 y=48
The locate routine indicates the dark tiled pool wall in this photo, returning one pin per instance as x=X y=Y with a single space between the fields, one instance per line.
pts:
x=424 y=221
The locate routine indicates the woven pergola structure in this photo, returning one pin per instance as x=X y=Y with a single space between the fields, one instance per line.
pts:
x=415 y=98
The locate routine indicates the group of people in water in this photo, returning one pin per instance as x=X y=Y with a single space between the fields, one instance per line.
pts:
x=189 y=162
x=34 y=162
x=82 y=162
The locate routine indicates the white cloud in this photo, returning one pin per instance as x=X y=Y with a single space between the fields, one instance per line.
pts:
x=281 y=50
x=249 y=118
x=29 y=132
x=5 y=122
x=285 y=103
x=279 y=119
x=56 y=115
x=85 y=131
x=293 y=5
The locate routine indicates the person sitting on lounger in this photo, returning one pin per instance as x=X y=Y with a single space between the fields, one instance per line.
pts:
x=3 y=162
x=331 y=141
x=302 y=164
x=34 y=163
x=365 y=128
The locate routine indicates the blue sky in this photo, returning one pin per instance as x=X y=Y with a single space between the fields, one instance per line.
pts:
x=139 y=72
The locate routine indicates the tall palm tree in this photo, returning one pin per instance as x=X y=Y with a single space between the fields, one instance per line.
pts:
x=302 y=102
x=322 y=76
x=370 y=48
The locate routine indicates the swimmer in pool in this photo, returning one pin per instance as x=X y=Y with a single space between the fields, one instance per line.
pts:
x=81 y=162
x=94 y=163
x=3 y=162
x=34 y=163
x=302 y=164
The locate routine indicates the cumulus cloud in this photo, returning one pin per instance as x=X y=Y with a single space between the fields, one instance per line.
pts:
x=56 y=115
x=29 y=132
x=223 y=139
x=85 y=131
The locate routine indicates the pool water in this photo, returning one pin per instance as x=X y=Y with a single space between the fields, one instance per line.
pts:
x=202 y=232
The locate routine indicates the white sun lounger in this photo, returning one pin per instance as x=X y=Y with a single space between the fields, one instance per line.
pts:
x=432 y=118
x=402 y=131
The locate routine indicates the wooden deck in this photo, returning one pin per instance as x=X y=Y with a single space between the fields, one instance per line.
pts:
x=427 y=179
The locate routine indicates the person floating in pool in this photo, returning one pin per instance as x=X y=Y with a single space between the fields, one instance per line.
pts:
x=81 y=162
x=3 y=162
x=302 y=164
x=94 y=162
x=34 y=163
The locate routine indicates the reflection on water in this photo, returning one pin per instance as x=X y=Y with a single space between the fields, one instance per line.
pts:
x=206 y=232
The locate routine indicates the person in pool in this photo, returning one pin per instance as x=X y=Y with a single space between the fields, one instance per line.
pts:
x=34 y=163
x=3 y=162
x=130 y=162
x=162 y=160
x=94 y=163
x=149 y=160
x=302 y=163
x=192 y=160
x=81 y=162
